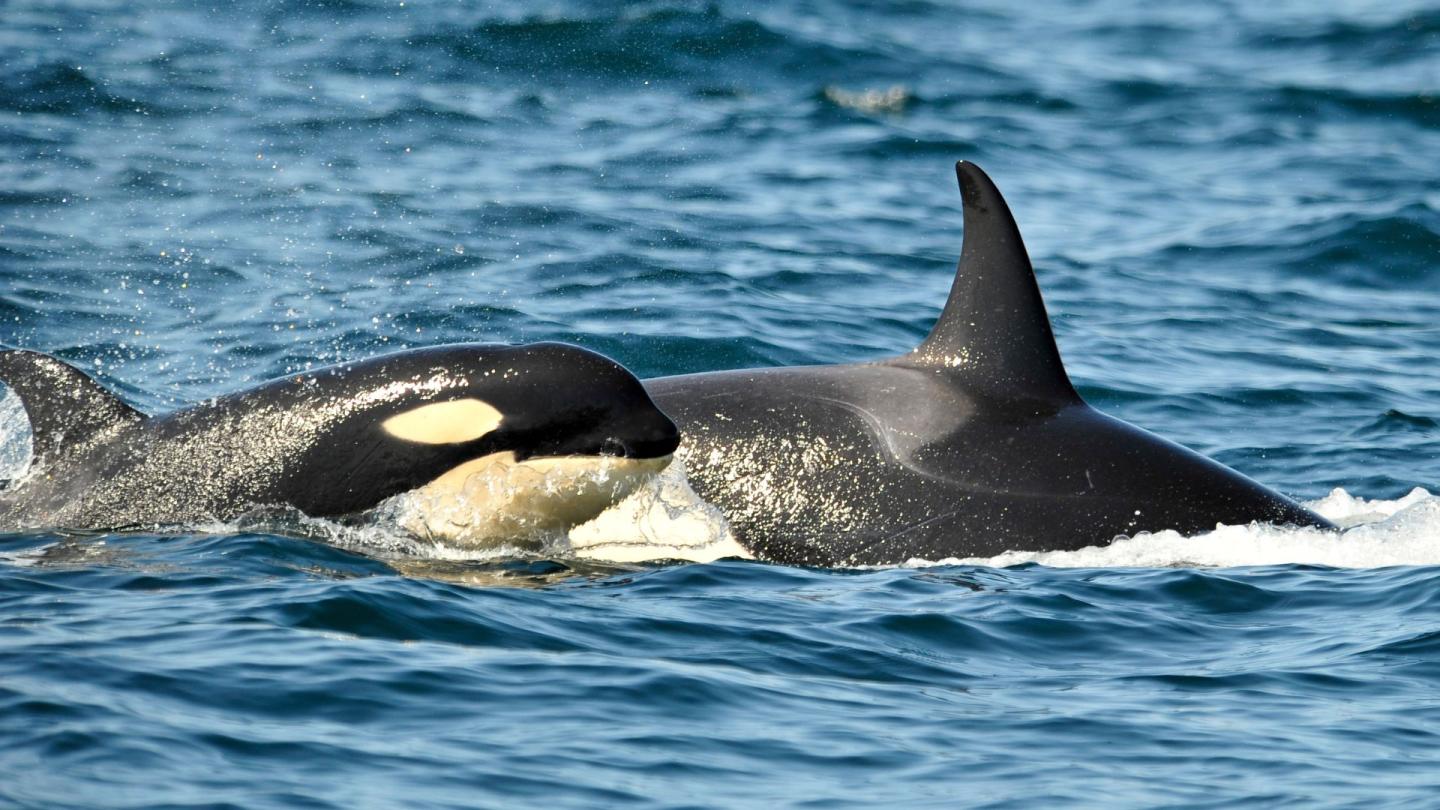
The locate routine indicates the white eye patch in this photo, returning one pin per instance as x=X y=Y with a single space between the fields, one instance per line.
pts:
x=459 y=420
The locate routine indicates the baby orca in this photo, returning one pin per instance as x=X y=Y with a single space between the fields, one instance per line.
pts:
x=496 y=443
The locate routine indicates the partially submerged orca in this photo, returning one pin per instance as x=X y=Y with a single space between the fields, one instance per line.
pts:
x=497 y=443
x=972 y=444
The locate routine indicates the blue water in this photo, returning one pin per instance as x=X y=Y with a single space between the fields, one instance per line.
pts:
x=1234 y=210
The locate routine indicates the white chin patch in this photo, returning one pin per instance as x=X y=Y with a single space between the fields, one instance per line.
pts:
x=499 y=501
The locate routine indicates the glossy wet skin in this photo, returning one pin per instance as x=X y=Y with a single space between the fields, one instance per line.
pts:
x=319 y=441
x=973 y=444
x=854 y=465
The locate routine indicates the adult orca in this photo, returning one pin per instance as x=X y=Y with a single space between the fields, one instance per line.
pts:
x=497 y=443
x=972 y=444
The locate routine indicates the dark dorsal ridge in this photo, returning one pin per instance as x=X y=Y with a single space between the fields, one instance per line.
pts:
x=66 y=407
x=994 y=331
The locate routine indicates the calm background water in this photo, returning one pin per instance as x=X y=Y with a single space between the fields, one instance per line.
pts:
x=1234 y=210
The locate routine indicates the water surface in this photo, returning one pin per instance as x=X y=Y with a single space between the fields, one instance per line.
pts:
x=1234 y=212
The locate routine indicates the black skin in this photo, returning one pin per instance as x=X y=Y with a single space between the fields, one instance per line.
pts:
x=1001 y=477
x=312 y=441
x=973 y=444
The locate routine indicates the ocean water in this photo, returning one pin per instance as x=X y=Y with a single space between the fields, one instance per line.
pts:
x=1234 y=211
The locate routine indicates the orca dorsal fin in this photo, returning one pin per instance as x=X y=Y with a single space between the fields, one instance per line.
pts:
x=994 y=330
x=66 y=407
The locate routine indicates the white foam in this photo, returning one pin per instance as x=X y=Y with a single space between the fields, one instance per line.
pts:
x=14 y=436
x=1344 y=509
x=663 y=520
x=1379 y=533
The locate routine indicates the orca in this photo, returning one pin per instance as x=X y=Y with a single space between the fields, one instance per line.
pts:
x=494 y=444
x=972 y=444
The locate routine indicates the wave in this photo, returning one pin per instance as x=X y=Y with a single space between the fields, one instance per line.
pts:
x=1363 y=249
x=57 y=88
x=1411 y=36
x=1334 y=103
x=656 y=44
x=1396 y=248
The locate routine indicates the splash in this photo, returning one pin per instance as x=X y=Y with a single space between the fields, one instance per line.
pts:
x=1375 y=534
x=664 y=520
x=14 y=436
x=499 y=500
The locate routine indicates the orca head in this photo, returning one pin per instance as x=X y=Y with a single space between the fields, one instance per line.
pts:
x=558 y=400
x=540 y=439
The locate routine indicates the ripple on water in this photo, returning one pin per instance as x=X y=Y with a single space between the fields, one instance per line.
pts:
x=1232 y=215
